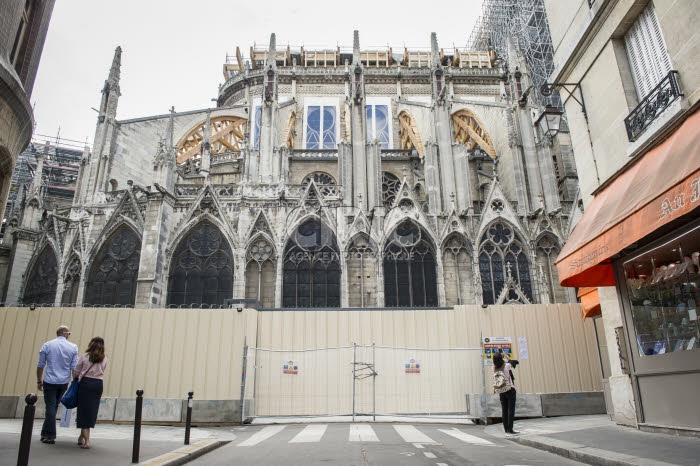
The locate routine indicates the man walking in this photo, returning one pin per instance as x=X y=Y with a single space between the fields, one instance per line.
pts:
x=59 y=357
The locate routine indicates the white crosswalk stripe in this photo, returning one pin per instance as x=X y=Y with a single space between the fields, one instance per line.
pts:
x=264 y=434
x=412 y=435
x=312 y=433
x=362 y=433
x=463 y=436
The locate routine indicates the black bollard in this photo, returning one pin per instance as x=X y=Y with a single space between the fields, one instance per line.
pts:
x=188 y=421
x=25 y=438
x=137 y=426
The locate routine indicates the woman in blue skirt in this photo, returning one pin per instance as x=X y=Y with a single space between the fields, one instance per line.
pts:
x=90 y=370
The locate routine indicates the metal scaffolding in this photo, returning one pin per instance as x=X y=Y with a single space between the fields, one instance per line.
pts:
x=526 y=22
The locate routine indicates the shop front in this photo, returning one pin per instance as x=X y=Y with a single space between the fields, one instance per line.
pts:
x=641 y=234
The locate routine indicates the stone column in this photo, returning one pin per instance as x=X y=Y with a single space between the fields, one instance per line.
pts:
x=24 y=242
x=432 y=178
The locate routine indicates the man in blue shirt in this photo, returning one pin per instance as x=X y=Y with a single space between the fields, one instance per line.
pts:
x=59 y=357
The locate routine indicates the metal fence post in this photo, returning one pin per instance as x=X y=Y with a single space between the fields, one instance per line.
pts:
x=374 y=383
x=243 y=371
x=188 y=421
x=25 y=438
x=137 y=427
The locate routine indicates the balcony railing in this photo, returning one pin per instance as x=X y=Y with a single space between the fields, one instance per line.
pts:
x=314 y=153
x=653 y=105
x=399 y=154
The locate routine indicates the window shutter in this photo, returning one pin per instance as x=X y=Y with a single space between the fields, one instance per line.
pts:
x=647 y=52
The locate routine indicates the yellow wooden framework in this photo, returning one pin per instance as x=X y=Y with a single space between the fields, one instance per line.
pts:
x=226 y=134
x=469 y=131
x=408 y=132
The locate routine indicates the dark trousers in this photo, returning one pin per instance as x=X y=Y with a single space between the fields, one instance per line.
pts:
x=52 y=395
x=508 y=409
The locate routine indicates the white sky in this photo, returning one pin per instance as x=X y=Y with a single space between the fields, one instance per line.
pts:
x=173 y=51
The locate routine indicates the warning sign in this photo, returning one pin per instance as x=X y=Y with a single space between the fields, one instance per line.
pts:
x=412 y=366
x=290 y=367
x=492 y=345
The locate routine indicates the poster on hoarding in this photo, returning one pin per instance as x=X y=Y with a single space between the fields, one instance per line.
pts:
x=492 y=345
x=290 y=367
x=412 y=366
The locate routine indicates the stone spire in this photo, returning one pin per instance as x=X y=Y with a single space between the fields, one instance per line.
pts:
x=272 y=52
x=115 y=70
x=356 y=46
x=434 y=50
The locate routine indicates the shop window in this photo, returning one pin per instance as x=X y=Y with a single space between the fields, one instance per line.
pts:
x=41 y=284
x=311 y=274
x=321 y=128
x=662 y=287
x=379 y=123
x=410 y=278
x=114 y=270
x=646 y=49
x=201 y=271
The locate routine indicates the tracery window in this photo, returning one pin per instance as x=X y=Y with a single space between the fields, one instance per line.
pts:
x=362 y=272
x=319 y=178
x=390 y=188
x=260 y=272
x=71 y=281
x=457 y=264
x=379 y=123
x=311 y=276
x=410 y=278
x=41 y=283
x=501 y=246
x=201 y=270
x=320 y=131
x=114 y=270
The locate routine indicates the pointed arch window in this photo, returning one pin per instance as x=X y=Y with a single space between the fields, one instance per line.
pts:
x=311 y=276
x=457 y=264
x=260 y=272
x=114 y=270
x=500 y=246
x=410 y=278
x=201 y=270
x=41 y=283
x=71 y=281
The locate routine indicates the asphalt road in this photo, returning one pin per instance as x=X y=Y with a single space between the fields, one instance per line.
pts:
x=372 y=444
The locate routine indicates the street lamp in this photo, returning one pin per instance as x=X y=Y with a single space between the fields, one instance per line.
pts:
x=549 y=121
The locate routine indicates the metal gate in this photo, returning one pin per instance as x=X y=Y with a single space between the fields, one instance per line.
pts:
x=360 y=380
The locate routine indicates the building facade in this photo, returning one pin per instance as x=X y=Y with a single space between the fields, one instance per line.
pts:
x=338 y=178
x=630 y=69
x=23 y=27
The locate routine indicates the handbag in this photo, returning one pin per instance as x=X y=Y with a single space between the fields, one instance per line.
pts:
x=70 y=398
x=501 y=384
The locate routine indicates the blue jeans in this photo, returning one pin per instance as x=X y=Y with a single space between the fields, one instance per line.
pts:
x=52 y=395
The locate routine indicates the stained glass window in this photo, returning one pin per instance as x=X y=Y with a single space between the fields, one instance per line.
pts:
x=41 y=282
x=379 y=124
x=390 y=187
x=320 y=127
x=201 y=270
x=500 y=247
x=114 y=270
x=410 y=278
x=311 y=273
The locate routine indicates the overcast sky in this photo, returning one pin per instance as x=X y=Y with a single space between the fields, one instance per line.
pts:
x=173 y=51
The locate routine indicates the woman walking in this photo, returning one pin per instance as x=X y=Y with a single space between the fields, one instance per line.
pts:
x=506 y=391
x=90 y=370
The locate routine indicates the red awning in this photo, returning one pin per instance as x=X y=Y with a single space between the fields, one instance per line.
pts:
x=662 y=186
x=590 y=301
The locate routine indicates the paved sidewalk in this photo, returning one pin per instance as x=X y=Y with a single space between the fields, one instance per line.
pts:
x=598 y=440
x=110 y=444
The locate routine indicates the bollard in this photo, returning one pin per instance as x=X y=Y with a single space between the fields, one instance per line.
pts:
x=137 y=426
x=25 y=438
x=188 y=421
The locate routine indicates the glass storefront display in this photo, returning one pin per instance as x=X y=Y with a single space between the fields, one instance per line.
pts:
x=663 y=287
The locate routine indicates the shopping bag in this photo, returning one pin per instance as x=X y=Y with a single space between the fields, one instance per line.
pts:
x=70 y=398
x=65 y=417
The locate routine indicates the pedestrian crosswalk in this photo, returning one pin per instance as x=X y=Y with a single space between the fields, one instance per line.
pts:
x=314 y=433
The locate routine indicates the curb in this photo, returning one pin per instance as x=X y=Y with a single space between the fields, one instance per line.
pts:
x=582 y=453
x=185 y=454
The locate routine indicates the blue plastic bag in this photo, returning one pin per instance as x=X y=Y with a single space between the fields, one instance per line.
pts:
x=70 y=398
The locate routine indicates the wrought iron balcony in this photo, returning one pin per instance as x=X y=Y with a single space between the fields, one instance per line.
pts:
x=653 y=105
